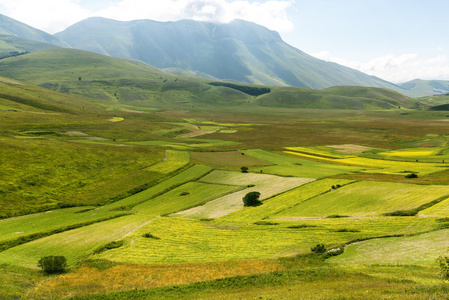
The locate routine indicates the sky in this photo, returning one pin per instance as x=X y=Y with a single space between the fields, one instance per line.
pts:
x=396 y=40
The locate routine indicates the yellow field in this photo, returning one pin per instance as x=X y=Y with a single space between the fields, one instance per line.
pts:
x=381 y=166
x=88 y=281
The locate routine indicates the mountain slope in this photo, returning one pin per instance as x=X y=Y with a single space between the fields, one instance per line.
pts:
x=239 y=51
x=9 y=26
x=120 y=82
x=420 y=88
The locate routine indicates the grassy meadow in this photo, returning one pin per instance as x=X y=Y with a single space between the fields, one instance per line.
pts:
x=144 y=198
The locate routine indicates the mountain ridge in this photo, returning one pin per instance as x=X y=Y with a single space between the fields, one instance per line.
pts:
x=240 y=50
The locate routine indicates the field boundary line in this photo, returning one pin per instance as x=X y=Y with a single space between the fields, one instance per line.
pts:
x=140 y=226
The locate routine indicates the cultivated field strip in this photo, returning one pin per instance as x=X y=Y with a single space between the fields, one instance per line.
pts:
x=173 y=161
x=440 y=210
x=281 y=202
x=17 y=227
x=266 y=185
x=184 y=241
x=292 y=166
x=75 y=244
x=191 y=174
x=368 y=198
x=381 y=166
x=183 y=197
x=409 y=250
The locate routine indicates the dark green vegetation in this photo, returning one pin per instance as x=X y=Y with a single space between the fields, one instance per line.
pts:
x=252 y=199
x=53 y=264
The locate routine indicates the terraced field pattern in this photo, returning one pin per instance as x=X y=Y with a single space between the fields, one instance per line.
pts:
x=169 y=207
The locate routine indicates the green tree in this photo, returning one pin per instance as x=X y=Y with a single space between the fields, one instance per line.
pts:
x=53 y=264
x=252 y=199
x=319 y=248
x=244 y=169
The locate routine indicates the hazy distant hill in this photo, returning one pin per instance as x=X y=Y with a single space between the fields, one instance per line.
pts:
x=239 y=51
x=420 y=88
x=9 y=26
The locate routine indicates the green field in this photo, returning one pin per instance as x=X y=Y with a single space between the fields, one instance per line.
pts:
x=410 y=250
x=368 y=198
x=290 y=166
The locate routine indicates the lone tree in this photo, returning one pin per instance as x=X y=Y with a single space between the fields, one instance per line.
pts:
x=244 y=169
x=53 y=264
x=252 y=199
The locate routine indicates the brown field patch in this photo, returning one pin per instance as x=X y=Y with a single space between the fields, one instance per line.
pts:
x=87 y=280
x=350 y=148
x=229 y=158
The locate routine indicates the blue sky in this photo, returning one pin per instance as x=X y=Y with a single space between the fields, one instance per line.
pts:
x=397 y=40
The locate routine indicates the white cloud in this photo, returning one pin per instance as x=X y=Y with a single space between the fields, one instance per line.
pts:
x=56 y=15
x=47 y=15
x=397 y=69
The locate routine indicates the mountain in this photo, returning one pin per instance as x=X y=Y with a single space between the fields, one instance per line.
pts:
x=421 y=88
x=11 y=27
x=120 y=83
x=239 y=51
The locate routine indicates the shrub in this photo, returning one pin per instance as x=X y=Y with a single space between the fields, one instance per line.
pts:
x=319 y=248
x=265 y=223
x=109 y=246
x=252 y=199
x=184 y=194
x=150 y=236
x=244 y=169
x=412 y=175
x=443 y=261
x=53 y=264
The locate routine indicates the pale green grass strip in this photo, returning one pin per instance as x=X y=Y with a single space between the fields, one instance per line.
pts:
x=13 y=228
x=411 y=250
x=173 y=161
x=74 y=244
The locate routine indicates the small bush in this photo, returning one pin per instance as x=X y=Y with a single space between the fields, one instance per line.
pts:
x=53 y=264
x=347 y=230
x=412 y=175
x=336 y=216
x=301 y=226
x=184 y=194
x=265 y=223
x=319 y=248
x=244 y=169
x=109 y=246
x=150 y=236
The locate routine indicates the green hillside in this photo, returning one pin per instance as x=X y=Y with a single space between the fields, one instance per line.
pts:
x=10 y=43
x=129 y=82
